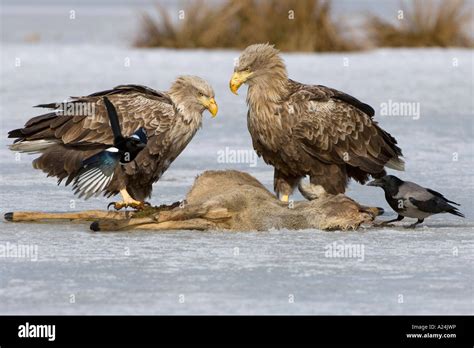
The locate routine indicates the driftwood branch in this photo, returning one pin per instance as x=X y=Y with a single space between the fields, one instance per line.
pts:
x=80 y=217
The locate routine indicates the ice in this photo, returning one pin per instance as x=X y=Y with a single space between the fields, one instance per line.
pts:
x=425 y=271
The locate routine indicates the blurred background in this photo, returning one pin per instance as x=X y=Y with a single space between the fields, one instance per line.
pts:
x=421 y=56
x=295 y=25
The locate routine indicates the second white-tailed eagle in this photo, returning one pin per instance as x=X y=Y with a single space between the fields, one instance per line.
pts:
x=310 y=130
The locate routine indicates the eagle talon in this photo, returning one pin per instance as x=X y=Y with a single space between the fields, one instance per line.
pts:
x=117 y=205
x=135 y=205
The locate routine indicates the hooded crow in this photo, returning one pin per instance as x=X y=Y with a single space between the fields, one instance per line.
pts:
x=411 y=200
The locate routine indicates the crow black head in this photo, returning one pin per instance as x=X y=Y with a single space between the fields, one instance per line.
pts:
x=389 y=183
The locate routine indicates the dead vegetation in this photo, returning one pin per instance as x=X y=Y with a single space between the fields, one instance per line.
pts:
x=428 y=23
x=292 y=25
x=304 y=25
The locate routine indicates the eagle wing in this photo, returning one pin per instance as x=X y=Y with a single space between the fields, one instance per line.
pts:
x=337 y=128
x=82 y=129
x=137 y=107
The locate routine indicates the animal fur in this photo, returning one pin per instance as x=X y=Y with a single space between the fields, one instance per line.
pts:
x=226 y=200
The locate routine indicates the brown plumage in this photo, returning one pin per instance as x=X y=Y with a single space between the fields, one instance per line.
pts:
x=310 y=130
x=80 y=129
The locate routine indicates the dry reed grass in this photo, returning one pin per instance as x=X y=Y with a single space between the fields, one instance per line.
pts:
x=427 y=23
x=292 y=25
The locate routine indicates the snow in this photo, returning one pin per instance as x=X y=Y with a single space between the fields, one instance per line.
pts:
x=424 y=271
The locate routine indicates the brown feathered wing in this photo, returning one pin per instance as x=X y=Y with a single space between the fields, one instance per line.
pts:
x=337 y=128
x=79 y=136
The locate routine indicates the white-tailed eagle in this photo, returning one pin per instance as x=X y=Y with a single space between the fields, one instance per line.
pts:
x=76 y=141
x=310 y=130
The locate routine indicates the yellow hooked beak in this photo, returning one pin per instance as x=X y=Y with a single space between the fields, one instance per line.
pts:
x=238 y=78
x=211 y=105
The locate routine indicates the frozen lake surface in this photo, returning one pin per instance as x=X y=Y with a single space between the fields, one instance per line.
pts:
x=426 y=271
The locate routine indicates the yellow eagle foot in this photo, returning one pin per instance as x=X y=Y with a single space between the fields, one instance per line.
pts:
x=137 y=205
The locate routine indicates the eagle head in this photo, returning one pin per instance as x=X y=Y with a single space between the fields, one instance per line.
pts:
x=257 y=62
x=193 y=94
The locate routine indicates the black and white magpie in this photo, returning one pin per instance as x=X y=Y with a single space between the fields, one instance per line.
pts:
x=98 y=170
